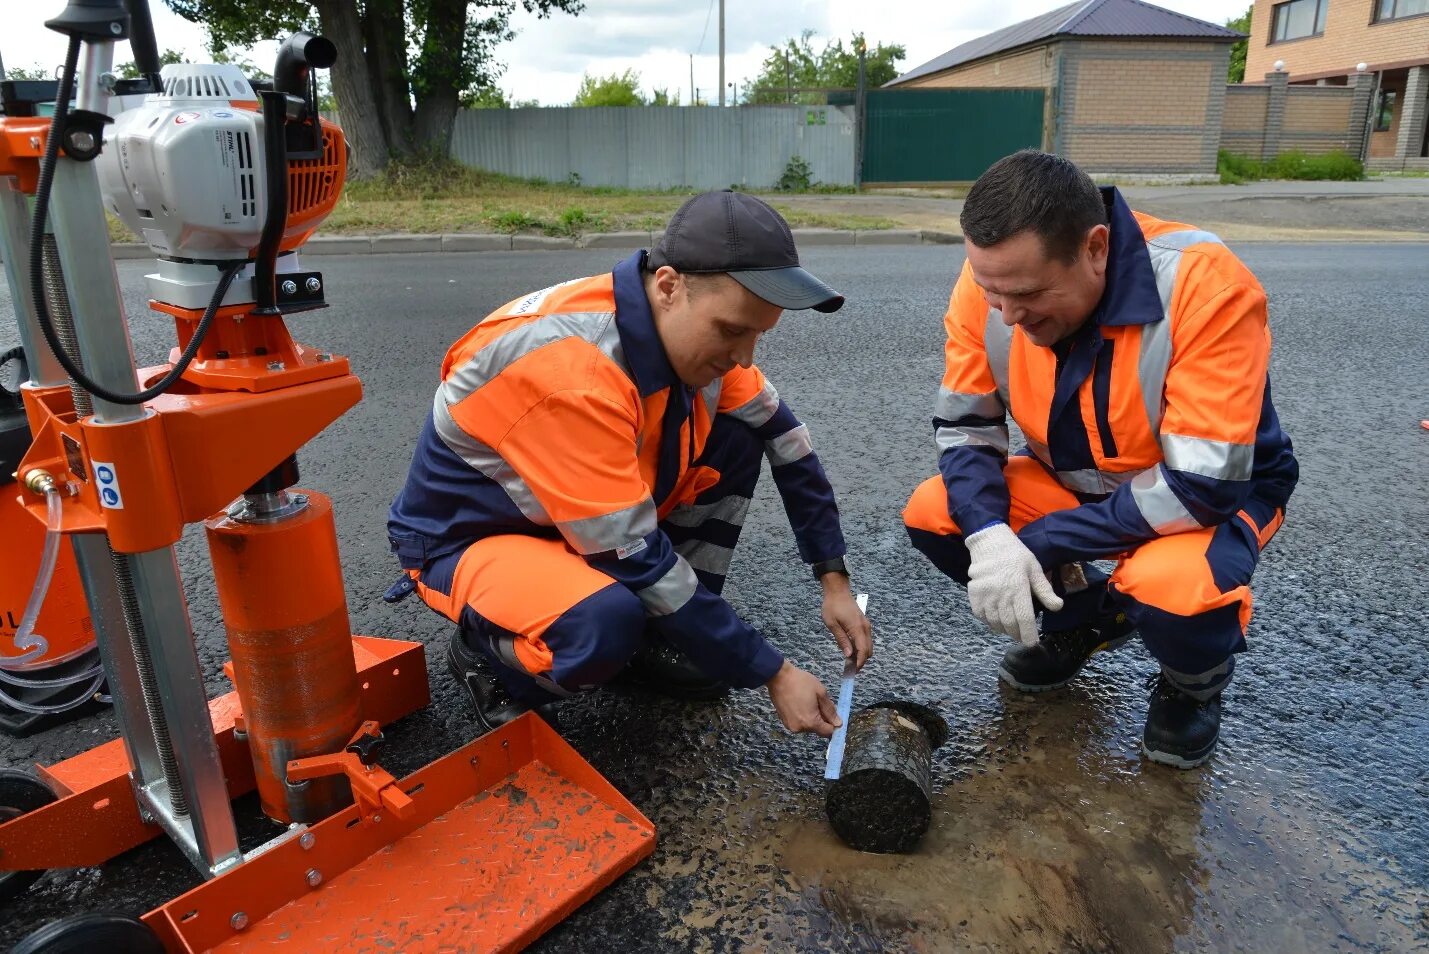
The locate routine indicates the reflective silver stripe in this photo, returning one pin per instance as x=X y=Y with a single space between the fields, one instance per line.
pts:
x=997 y=343
x=1043 y=452
x=505 y=648
x=597 y=328
x=1202 y=685
x=1152 y=363
x=711 y=395
x=1092 y=481
x=731 y=510
x=1197 y=455
x=611 y=531
x=1165 y=252
x=993 y=435
x=1185 y=238
x=1158 y=503
x=794 y=444
x=953 y=405
x=487 y=461
x=672 y=591
x=503 y=645
x=707 y=557
x=757 y=411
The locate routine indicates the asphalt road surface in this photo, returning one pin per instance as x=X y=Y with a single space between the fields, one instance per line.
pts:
x=1305 y=832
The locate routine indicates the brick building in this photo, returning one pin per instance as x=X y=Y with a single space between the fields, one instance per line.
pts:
x=1110 y=68
x=1324 y=42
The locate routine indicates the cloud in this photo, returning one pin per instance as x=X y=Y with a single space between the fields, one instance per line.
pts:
x=655 y=37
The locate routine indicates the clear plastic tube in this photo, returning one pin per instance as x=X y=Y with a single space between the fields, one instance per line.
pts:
x=30 y=643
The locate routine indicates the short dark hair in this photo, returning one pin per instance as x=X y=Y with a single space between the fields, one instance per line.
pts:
x=697 y=283
x=1036 y=191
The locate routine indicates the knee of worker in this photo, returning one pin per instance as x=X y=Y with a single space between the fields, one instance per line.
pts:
x=736 y=453
x=932 y=531
x=928 y=510
x=594 y=639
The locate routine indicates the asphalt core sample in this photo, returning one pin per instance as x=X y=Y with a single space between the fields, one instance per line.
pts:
x=882 y=801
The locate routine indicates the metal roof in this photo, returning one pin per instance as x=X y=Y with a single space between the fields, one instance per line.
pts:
x=1125 y=18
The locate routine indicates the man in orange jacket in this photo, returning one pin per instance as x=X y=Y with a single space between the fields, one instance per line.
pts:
x=1132 y=354
x=581 y=481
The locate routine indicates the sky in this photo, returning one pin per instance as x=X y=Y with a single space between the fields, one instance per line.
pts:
x=654 y=37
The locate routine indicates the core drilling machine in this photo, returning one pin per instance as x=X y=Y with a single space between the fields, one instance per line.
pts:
x=225 y=179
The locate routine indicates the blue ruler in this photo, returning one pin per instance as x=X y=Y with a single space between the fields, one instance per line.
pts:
x=845 y=704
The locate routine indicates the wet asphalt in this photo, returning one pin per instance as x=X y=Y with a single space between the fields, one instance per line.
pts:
x=1307 y=830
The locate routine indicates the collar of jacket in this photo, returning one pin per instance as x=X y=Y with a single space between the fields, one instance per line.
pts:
x=1130 y=297
x=644 y=353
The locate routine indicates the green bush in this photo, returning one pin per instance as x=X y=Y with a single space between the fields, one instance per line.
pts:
x=797 y=177
x=1337 y=166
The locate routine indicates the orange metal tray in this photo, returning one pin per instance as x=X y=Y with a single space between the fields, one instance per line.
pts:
x=507 y=836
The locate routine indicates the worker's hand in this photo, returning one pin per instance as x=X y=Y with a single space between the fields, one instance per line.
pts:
x=846 y=621
x=1002 y=579
x=802 y=702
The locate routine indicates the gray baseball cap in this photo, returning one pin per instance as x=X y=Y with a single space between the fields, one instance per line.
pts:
x=737 y=234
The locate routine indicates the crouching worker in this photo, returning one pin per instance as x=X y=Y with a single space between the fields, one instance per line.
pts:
x=580 y=483
x=1132 y=354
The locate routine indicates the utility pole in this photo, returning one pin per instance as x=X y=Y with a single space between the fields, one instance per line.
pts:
x=721 y=52
x=788 y=79
x=694 y=97
x=860 y=113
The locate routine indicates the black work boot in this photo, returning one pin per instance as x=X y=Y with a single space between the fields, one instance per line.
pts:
x=493 y=703
x=1181 y=731
x=1061 y=654
x=661 y=668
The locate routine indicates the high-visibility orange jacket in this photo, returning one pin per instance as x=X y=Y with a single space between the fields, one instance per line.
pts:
x=1156 y=413
x=559 y=416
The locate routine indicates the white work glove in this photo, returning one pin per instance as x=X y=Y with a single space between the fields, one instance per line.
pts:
x=1002 y=579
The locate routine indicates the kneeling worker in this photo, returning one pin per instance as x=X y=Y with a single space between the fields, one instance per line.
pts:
x=581 y=481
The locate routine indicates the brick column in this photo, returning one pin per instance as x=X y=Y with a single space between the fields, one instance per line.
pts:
x=1411 y=115
x=1274 y=113
x=1357 y=136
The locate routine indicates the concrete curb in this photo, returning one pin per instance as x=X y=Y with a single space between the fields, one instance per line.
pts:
x=481 y=242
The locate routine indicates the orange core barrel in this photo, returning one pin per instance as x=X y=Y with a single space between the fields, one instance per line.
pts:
x=281 y=592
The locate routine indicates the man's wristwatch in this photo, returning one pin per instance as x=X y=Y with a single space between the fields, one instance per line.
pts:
x=824 y=567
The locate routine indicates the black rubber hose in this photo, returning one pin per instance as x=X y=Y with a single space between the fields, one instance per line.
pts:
x=37 y=264
x=142 y=40
x=275 y=217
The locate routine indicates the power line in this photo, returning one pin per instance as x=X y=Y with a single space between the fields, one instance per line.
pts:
x=706 y=30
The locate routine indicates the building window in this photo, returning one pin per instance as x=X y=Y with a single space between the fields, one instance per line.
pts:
x=1384 y=115
x=1395 y=9
x=1301 y=18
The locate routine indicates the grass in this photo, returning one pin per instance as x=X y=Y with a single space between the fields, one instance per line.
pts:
x=1237 y=169
x=444 y=197
x=449 y=197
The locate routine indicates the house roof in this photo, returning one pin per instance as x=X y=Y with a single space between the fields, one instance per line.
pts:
x=1126 y=18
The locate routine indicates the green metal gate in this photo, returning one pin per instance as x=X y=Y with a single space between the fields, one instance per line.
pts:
x=946 y=135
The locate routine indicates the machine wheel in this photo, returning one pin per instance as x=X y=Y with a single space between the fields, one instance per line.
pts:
x=20 y=792
x=86 y=933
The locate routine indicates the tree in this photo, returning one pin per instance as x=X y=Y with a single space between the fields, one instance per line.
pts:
x=485 y=97
x=130 y=70
x=796 y=64
x=35 y=72
x=1235 y=73
x=617 y=89
x=663 y=97
x=403 y=65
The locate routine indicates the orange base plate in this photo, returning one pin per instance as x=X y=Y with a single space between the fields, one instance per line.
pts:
x=97 y=819
x=509 y=834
